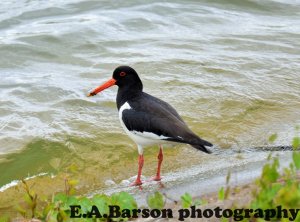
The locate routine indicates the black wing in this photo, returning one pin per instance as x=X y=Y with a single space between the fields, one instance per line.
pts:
x=158 y=117
x=162 y=105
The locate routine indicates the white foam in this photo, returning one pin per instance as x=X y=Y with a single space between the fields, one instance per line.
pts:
x=15 y=182
x=11 y=184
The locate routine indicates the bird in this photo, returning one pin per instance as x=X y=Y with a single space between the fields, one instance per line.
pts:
x=148 y=120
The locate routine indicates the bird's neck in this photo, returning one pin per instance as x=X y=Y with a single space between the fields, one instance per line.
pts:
x=128 y=92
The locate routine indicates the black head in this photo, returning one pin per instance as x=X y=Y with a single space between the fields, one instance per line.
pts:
x=126 y=76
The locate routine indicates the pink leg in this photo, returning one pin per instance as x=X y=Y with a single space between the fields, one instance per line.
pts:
x=160 y=158
x=138 y=179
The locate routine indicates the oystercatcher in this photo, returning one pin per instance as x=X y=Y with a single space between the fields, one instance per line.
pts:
x=146 y=119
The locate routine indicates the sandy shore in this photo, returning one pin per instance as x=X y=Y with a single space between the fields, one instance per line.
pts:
x=201 y=182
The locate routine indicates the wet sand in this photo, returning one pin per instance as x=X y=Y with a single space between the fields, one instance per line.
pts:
x=201 y=181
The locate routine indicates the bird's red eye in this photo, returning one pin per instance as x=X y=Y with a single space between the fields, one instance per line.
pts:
x=122 y=73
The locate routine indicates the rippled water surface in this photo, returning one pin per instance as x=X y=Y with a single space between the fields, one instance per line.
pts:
x=230 y=68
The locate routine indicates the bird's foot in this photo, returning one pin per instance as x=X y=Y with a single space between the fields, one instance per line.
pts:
x=136 y=183
x=155 y=178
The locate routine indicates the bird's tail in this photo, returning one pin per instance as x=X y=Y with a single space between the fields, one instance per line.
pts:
x=194 y=141
x=202 y=148
x=201 y=145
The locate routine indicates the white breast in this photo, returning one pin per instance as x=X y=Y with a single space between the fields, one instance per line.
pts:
x=140 y=138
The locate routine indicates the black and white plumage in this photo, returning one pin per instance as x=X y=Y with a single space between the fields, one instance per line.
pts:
x=156 y=122
x=146 y=119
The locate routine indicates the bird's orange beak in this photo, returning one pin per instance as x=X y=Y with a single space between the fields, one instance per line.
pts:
x=104 y=86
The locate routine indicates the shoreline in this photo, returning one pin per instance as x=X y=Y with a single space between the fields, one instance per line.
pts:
x=199 y=182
